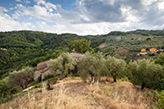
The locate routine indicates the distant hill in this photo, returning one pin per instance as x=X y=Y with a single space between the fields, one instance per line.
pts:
x=27 y=48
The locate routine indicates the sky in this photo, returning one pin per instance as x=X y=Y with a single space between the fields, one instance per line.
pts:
x=82 y=17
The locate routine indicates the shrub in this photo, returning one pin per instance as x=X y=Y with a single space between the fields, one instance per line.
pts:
x=8 y=98
x=160 y=96
x=48 y=77
x=158 y=52
x=13 y=91
x=54 y=82
x=75 y=75
x=148 y=38
x=152 y=54
x=39 y=86
x=40 y=78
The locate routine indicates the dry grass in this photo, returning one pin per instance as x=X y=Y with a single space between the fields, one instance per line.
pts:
x=75 y=94
x=102 y=46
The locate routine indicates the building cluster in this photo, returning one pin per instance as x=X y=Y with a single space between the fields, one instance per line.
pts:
x=149 y=51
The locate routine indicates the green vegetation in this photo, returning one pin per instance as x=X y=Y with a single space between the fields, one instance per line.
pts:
x=27 y=48
x=3 y=87
x=21 y=78
x=159 y=60
x=160 y=96
x=91 y=65
x=19 y=49
x=145 y=73
x=115 y=67
x=80 y=46
x=64 y=63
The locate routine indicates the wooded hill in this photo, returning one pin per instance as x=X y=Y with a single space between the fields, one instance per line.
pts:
x=27 y=48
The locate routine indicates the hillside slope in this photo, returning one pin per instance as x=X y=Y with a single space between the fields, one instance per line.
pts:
x=74 y=93
x=26 y=48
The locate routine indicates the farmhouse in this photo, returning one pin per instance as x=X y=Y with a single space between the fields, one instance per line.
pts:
x=152 y=49
x=42 y=67
x=143 y=50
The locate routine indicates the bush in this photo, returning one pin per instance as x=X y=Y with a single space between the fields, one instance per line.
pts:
x=40 y=78
x=162 y=47
x=13 y=91
x=158 y=52
x=75 y=75
x=54 y=82
x=8 y=98
x=148 y=38
x=39 y=86
x=48 y=77
x=160 y=96
x=152 y=54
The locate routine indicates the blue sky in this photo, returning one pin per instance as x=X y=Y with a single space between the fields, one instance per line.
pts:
x=81 y=17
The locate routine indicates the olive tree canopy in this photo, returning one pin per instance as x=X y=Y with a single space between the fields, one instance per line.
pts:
x=115 y=67
x=91 y=65
x=22 y=77
x=64 y=63
x=145 y=73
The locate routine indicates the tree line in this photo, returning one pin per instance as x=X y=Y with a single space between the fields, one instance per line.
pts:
x=142 y=72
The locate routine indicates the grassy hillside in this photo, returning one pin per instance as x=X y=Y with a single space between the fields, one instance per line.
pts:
x=27 y=48
x=73 y=93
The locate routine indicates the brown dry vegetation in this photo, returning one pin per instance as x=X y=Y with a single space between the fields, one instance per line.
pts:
x=73 y=93
x=102 y=46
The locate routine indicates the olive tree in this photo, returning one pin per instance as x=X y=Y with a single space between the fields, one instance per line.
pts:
x=160 y=59
x=91 y=65
x=21 y=78
x=145 y=73
x=115 y=67
x=64 y=63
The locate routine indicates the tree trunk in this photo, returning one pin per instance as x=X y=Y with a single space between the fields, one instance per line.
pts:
x=22 y=87
x=26 y=85
x=114 y=79
x=91 y=79
x=143 y=85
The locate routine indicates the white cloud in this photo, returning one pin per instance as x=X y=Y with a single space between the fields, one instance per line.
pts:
x=40 y=2
x=16 y=15
x=11 y=8
x=26 y=1
x=18 y=0
x=36 y=10
x=88 y=17
x=8 y=24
